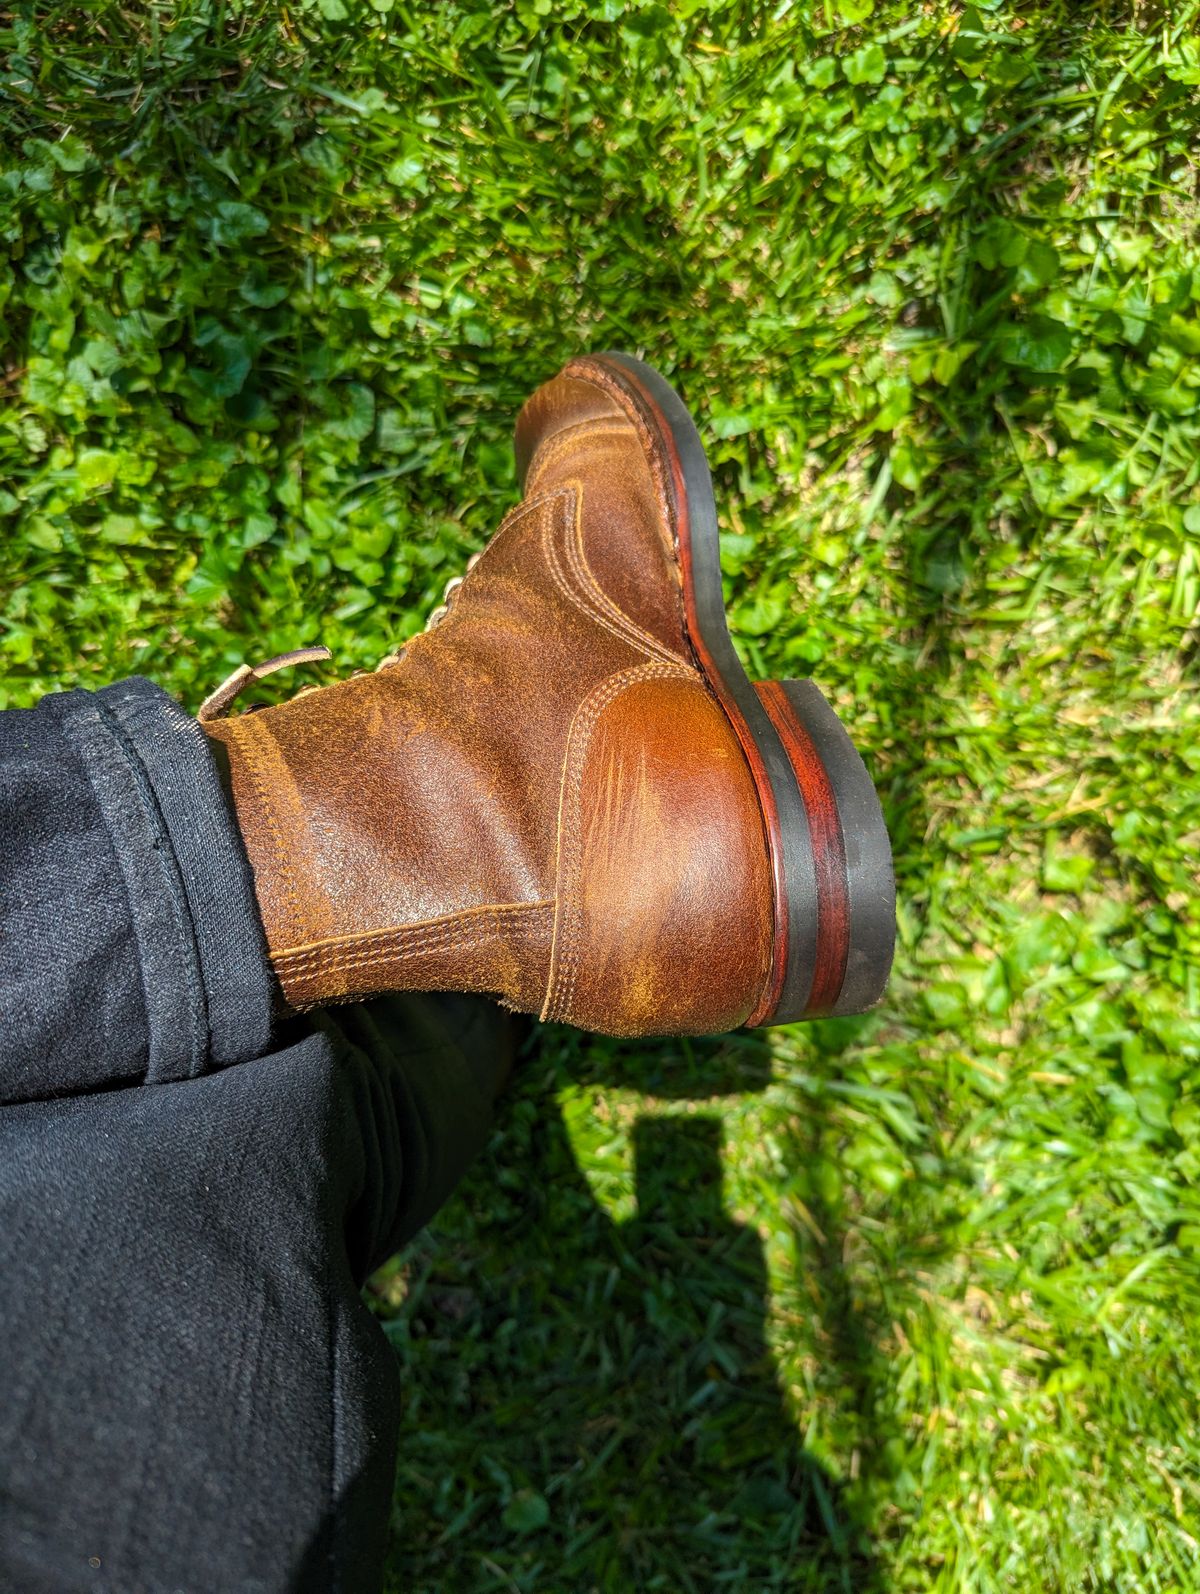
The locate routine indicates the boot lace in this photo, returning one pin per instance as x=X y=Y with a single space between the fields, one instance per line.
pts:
x=218 y=703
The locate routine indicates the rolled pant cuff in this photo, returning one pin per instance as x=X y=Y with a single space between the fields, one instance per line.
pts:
x=208 y=984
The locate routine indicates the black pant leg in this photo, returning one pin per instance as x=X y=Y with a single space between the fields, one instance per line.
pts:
x=192 y=1395
x=130 y=943
x=195 y=1397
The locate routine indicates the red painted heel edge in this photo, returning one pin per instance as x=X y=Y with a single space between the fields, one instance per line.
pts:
x=855 y=907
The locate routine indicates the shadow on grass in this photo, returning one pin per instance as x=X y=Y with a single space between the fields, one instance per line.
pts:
x=592 y=1404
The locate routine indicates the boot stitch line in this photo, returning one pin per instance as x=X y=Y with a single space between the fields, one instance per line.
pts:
x=577 y=557
x=513 y=518
x=299 y=976
x=399 y=940
x=608 y=693
x=471 y=935
x=582 y=601
x=399 y=947
x=420 y=926
x=564 y=948
x=641 y=640
x=631 y=405
x=387 y=954
x=556 y=443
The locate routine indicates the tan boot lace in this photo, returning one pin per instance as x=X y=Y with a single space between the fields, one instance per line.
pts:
x=218 y=703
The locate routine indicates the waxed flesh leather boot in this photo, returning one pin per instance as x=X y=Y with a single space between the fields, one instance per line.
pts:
x=566 y=792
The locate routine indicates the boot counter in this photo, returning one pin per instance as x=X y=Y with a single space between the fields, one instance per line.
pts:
x=664 y=909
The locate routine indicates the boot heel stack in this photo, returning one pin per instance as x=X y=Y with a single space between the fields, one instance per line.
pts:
x=854 y=913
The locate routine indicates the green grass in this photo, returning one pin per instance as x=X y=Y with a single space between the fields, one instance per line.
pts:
x=904 y=1303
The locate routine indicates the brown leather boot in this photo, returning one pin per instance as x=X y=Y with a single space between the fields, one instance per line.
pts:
x=566 y=792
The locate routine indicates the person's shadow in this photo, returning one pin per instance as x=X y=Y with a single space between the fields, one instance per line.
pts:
x=593 y=1404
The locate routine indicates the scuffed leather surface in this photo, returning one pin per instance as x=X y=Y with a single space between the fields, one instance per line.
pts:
x=584 y=436
x=662 y=871
x=404 y=827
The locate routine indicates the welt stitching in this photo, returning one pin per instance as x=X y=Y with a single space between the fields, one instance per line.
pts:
x=239 y=731
x=566 y=968
x=598 y=377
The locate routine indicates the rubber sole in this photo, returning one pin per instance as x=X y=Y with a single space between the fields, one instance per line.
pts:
x=834 y=893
